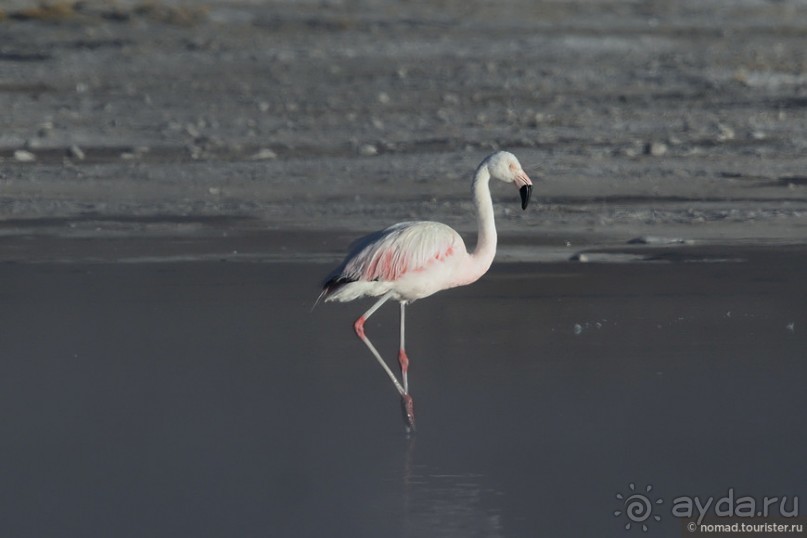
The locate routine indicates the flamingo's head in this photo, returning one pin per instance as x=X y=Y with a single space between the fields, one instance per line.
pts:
x=504 y=166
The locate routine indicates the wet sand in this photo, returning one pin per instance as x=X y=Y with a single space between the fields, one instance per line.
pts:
x=684 y=118
x=204 y=398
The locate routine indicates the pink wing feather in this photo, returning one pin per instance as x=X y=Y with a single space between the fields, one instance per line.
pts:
x=389 y=254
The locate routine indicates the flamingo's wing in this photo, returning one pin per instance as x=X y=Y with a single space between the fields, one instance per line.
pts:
x=390 y=253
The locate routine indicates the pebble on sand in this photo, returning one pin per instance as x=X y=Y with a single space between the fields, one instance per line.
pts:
x=725 y=133
x=579 y=257
x=24 y=156
x=368 y=150
x=75 y=152
x=264 y=154
x=656 y=149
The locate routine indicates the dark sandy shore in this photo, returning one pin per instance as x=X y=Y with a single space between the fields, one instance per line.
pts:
x=682 y=119
x=204 y=398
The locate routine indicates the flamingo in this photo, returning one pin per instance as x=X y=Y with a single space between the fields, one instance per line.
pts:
x=412 y=260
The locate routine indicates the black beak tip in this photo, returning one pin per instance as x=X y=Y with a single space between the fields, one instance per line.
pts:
x=525 y=192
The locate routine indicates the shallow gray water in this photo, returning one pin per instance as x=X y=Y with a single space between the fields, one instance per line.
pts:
x=205 y=399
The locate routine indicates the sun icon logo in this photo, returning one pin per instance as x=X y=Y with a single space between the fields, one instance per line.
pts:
x=638 y=507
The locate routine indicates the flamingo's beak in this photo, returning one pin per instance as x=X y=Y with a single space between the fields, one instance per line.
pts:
x=525 y=188
x=525 y=192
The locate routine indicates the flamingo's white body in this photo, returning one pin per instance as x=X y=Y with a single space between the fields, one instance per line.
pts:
x=412 y=260
x=408 y=260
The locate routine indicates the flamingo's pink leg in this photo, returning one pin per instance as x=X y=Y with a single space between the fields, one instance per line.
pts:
x=407 y=404
x=408 y=408
x=358 y=326
x=402 y=357
x=404 y=362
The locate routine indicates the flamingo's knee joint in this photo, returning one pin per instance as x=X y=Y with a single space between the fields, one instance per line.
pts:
x=403 y=360
x=358 y=326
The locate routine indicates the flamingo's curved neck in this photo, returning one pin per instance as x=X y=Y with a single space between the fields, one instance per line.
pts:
x=485 y=250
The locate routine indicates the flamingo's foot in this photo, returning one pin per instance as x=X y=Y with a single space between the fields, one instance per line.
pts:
x=408 y=409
